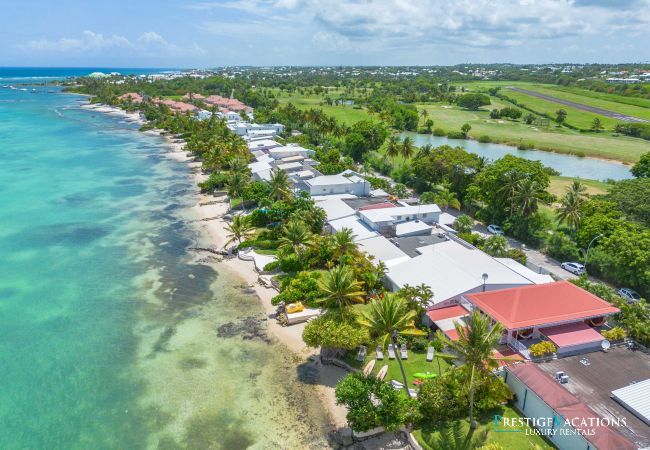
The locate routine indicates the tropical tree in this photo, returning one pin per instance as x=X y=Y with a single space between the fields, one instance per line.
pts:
x=560 y=116
x=296 y=236
x=424 y=114
x=237 y=182
x=642 y=168
x=465 y=128
x=496 y=246
x=596 y=125
x=447 y=199
x=463 y=224
x=343 y=242
x=475 y=346
x=238 y=229
x=527 y=195
x=570 y=210
x=393 y=147
x=340 y=289
x=280 y=185
x=407 y=148
x=387 y=318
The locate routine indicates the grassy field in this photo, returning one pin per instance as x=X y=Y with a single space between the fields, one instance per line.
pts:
x=559 y=186
x=416 y=362
x=624 y=105
x=346 y=114
x=551 y=138
x=431 y=438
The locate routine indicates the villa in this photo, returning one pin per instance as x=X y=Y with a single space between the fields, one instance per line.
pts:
x=560 y=312
x=347 y=182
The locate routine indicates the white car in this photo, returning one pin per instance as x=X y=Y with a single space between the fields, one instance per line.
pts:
x=629 y=294
x=495 y=229
x=573 y=267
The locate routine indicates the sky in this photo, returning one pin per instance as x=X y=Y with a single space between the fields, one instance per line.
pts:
x=188 y=34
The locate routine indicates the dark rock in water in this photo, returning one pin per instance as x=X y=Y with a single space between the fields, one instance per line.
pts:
x=307 y=373
x=248 y=328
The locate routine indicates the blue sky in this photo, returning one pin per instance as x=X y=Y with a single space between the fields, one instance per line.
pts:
x=174 y=33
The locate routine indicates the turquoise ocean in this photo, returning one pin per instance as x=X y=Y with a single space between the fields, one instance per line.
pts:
x=112 y=333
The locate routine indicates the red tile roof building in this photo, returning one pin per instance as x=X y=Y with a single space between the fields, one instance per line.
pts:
x=541 y=304
x=132 y=97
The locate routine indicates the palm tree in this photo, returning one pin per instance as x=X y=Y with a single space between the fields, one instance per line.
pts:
x=344 y=242
x=388 y=318
x=280 y=185
x=570 y=210
x=447 y=199
x=393 y=147
x=340 y=289
x=238 y=229
x=427 y=197
x=528 y=193
x=296 y=236
x=475 y=346
x=407 y=149
x=496 y=246
x=236 y=184
x=424 y=113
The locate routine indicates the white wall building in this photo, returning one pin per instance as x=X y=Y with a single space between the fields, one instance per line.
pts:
x=344 y=183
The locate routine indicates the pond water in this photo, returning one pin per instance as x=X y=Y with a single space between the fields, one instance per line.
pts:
x=567 y=165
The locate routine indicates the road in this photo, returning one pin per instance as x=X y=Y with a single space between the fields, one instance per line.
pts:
x=538 y=259
x=602 y=112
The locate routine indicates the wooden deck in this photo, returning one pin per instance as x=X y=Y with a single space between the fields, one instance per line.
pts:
x=594 y=382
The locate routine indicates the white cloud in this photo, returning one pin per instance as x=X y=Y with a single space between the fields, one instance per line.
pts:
x=91 y=42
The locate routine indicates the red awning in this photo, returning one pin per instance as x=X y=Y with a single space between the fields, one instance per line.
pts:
x=572 y=334
x=450 y=312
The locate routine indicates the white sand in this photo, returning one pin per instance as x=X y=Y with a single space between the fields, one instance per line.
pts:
x=209 y=207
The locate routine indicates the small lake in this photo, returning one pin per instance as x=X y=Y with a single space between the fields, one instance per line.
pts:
x=567 y=165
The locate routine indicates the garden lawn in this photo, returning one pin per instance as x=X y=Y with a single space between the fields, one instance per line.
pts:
x=429 y=437
x=346 y=114
x=551 y=138
x=416 y=362
x=559 y=186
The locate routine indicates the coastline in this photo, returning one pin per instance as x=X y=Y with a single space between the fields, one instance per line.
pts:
x=208 y=216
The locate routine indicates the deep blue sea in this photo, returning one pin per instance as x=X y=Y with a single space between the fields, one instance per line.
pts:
x=112 y=333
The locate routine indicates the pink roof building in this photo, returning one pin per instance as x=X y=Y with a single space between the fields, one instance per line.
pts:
x=132 y=97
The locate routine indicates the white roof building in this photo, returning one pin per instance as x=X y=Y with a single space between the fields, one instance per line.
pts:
x=263 y=144
x=359 y=230
x=335 y=208
x=412 y=228
x=290 y=150
x=636 y=399
x=383 y=250
x=379 y=218
x=343 y=183
x=451 y=269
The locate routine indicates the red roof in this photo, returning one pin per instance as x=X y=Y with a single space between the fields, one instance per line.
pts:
x=451 y=334
x=572 y=334
x=569 y=407
x=540 y=304
x=511 y=356
x=377 y=206
x=447 y=313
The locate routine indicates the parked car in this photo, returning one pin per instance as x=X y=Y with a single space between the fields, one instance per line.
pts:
x=629 y=294
x=495 y=229
x=573 y=267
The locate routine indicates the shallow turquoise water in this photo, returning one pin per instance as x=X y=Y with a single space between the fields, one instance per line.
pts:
x=107 y=328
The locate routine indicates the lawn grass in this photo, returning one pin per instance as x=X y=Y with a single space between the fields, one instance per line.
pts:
x=430 y=437
x=416 y=362
x=346 y=114
x=559 y=186
x=552 y=138
x=575 y=117
x=636 y=101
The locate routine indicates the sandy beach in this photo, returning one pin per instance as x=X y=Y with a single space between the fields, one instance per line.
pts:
x=209 y=215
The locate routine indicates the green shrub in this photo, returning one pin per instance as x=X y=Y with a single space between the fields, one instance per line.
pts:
x=614 y=334
x=456 y=135
x=562 y=247
x=439 y=132
x=216 y=180
x=273 y=265
x=291 y=263
x=542 y=349
x=485 y=139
